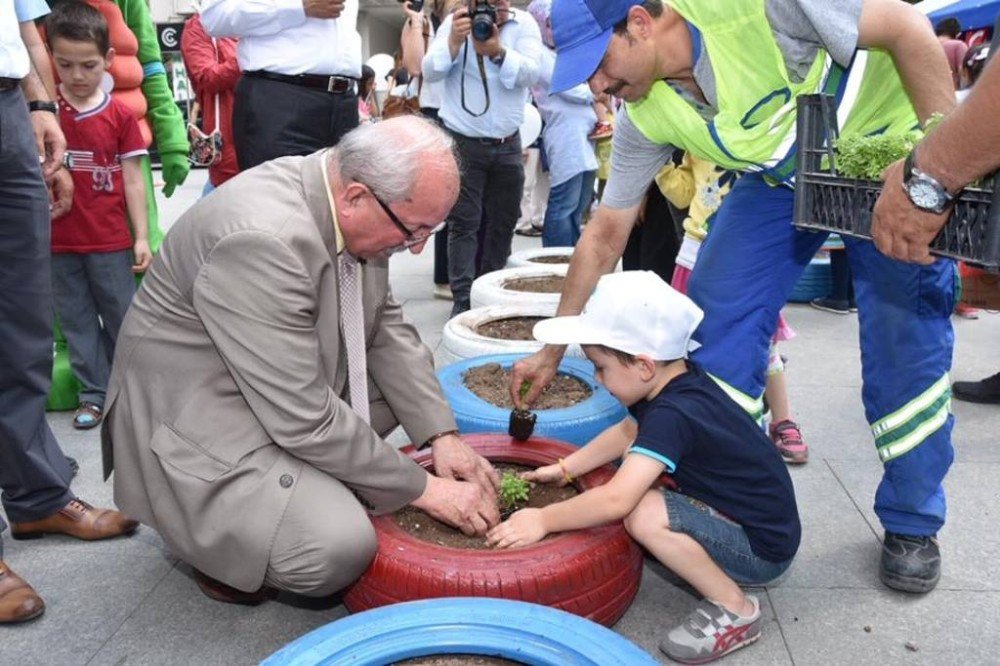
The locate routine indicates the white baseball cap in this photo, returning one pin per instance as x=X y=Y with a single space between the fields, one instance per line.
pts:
x=633 y=311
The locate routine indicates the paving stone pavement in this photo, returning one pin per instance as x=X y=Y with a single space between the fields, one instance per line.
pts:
x=129 y=601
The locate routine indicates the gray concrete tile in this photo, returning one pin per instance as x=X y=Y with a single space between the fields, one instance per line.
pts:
x=828 y=626
x=838 y=545
x=832 y=419
x=663 y=602
x=180 y=625
x=969 y=540
x=89 y=590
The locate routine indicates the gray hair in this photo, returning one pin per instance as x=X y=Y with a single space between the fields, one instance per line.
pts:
x=388 y=157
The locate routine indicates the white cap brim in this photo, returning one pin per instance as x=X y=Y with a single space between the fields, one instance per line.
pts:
x=569 y=331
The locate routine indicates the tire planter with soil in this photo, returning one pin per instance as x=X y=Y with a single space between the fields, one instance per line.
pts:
x=554 y=258
x=577 y=424
x=593 y=573
x=492 y=289
x=514 y=630
x=461 y=338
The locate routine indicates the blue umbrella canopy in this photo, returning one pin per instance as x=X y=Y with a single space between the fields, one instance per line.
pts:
x=971 y=14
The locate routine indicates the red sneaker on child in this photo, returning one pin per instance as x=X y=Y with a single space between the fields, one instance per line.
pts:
x=788 y=439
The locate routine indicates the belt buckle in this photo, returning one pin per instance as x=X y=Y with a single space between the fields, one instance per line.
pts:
x=339 y=84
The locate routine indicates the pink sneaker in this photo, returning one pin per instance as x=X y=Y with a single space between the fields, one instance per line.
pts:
x=602 y=130
x=788 y=439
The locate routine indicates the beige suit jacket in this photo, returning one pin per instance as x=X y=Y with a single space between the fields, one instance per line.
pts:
x=229 y=374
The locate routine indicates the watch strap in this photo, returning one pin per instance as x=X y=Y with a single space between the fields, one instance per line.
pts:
x=38 y=105
x=430 y=440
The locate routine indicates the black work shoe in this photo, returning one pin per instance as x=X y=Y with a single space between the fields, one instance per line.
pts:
x=985 y=391
x=910 y=563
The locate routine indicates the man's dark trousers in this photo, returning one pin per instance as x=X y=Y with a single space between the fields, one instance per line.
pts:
x=34 y=473
x=492 y=183
x=275 y=119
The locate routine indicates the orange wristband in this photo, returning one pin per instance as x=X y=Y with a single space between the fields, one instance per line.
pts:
x=566 y=475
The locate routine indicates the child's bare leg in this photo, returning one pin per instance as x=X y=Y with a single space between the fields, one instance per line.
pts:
x=776 y=392
x=650 y=526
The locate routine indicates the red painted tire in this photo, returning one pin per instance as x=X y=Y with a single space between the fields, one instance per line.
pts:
x=593 y=573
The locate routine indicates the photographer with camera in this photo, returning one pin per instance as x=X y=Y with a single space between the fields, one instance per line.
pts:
x=487 y=54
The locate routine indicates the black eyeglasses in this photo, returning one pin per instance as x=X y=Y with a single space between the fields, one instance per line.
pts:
x=411 y=237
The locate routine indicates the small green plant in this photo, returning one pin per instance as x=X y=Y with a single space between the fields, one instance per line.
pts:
x=868 y=156
x=513 y=489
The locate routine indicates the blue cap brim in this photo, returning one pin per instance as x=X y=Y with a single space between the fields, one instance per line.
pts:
x=577 y=63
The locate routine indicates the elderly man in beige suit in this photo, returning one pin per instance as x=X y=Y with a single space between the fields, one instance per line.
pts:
x=228 y=420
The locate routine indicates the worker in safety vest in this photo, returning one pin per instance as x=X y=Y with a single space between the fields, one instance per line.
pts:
x=720 y=80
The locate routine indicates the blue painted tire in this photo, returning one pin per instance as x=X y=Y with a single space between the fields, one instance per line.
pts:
x=814 y=283
x=514 y=630
x=577 y=424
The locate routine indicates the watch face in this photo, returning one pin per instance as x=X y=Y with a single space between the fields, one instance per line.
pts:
x=924 y=195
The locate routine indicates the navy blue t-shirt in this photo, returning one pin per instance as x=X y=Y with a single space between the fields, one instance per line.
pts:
x=719 y=455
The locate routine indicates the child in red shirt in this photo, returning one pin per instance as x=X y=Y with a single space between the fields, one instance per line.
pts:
x=93 y=249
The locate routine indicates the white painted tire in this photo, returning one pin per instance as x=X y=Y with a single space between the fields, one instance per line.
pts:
x=460 y=340
x=525 y=258
x=489 y=289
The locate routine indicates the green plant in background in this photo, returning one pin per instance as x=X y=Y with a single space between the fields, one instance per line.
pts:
x=513 y=489
x=868 y=156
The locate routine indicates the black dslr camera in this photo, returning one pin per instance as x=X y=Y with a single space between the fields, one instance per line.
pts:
x=484 y=17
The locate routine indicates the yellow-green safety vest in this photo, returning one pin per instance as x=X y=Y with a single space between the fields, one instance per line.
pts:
x=754 y=129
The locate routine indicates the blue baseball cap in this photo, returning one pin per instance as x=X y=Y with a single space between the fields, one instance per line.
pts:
x=582 y=31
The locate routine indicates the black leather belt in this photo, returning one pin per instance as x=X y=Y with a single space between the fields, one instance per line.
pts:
x=337 y=85
x=7 y=83
x=487 y=141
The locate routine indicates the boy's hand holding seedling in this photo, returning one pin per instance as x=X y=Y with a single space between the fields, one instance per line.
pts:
x=522 y=529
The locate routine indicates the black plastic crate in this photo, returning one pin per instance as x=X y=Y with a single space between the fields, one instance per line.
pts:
x=826 y=201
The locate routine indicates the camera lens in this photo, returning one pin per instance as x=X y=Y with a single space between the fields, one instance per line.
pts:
x=482 y=27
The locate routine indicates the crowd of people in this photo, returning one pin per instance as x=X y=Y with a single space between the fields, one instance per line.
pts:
x=281 y=360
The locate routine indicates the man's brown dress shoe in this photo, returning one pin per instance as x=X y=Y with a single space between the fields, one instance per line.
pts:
x=18 y=602
x=77 y=519
x=219 y=591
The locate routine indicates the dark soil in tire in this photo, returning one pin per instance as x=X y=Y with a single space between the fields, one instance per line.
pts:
x=457 y=660
x=551 y=259
x=513 y=328
x=546 y=284
x=425 y=528
x=491 y=382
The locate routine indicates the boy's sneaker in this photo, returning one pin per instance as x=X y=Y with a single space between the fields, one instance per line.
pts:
x=710 y=632
x=788 y=439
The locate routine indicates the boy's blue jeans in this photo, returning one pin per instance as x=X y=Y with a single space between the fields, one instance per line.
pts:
x=568 y=201
x=746 y=270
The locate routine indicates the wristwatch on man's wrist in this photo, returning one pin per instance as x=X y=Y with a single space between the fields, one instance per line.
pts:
x=499 y=58
x=43 y=106
x=432 y=438
x=924 y=191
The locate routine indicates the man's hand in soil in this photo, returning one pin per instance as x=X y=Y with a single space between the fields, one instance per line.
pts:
x=538 y=369
x=548 y=474
x=901 y=230
x=454 y=459
x=524 y=528
x=460 y=504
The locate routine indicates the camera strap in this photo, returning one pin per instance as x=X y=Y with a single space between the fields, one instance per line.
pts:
x=482 y=75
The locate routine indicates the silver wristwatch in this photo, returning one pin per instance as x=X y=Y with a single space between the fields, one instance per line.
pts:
x=925 y=192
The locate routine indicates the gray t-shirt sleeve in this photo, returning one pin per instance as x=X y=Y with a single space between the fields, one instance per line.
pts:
x=635 y=161
x=802 y=25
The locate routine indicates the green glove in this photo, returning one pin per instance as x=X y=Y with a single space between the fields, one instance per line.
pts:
x=175 y=170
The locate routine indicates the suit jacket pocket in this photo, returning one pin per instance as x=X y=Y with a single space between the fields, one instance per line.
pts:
x=181 y=453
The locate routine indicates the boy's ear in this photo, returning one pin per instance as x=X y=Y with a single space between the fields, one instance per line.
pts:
x=109 y=56
x=647 y=366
